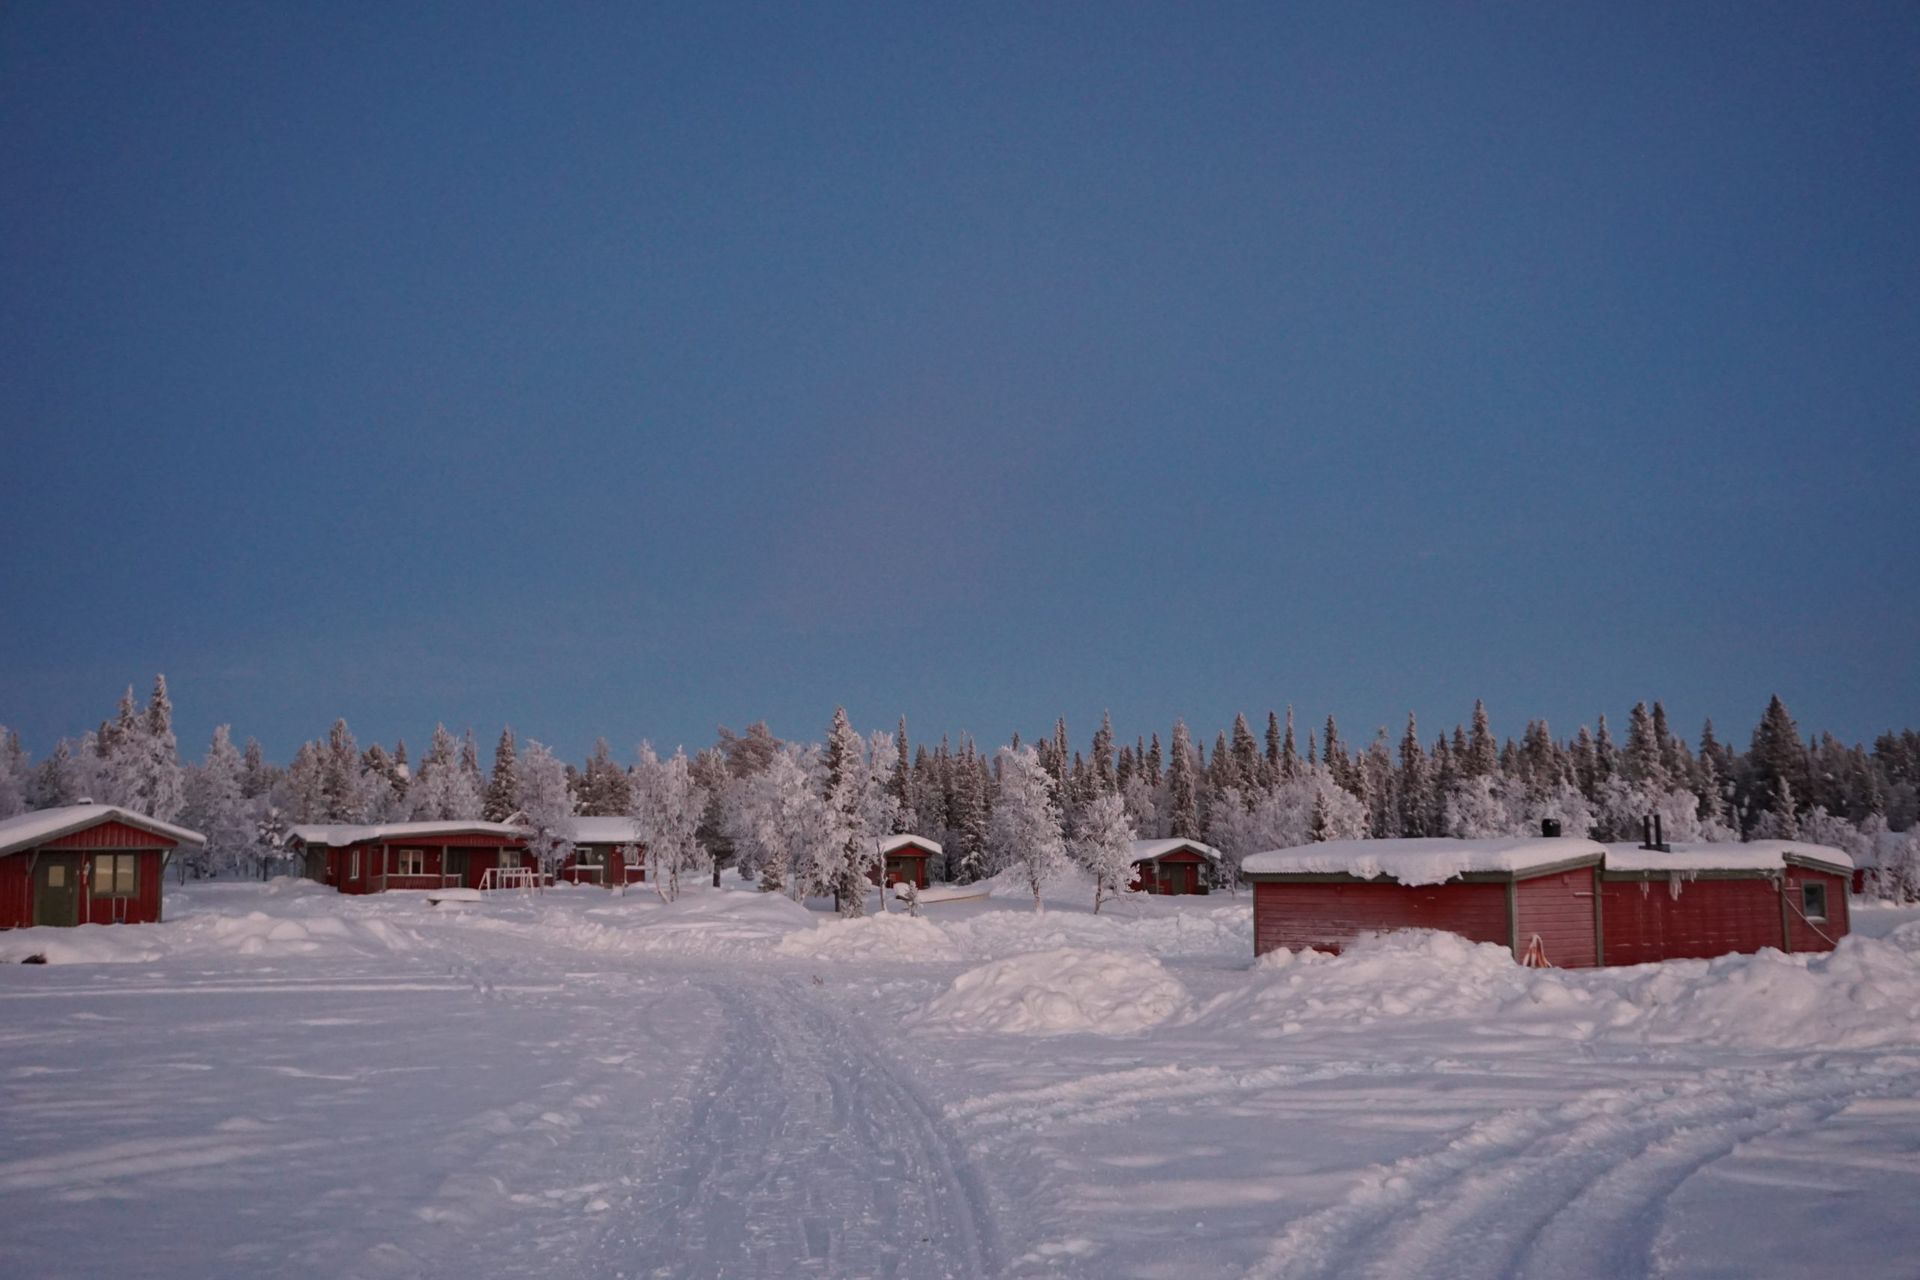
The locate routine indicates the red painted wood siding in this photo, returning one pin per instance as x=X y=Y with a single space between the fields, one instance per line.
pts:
x=16 y=892
x=110 y=835
x=1329 y=916
x=1800 y=932
x=1186 y=874
x=1560 y=909
x=143 y=907
x=1642 y=920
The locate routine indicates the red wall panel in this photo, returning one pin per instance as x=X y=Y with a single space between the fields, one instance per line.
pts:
x=1560 y=908
x=110 y=835
x=1647 y=920
x=16 y=892
x=1804 y=934
x=1328 y=916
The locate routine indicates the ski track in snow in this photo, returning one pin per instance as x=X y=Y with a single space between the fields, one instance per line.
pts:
x=1574 y=1191
x=808 y=1151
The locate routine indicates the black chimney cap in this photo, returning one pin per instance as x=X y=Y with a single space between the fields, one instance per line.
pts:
x=1550 y=828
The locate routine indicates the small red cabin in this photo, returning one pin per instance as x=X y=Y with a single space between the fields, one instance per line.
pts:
x=407 y=855
x=605 y=851
x=1173 y=866
x=85 y=864
x=904 y=860
x=1535 y=897
x=1695 y=901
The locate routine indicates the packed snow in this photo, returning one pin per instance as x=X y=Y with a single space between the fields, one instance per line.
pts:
x=587 y=1083
x=1420 y=862
x=1752 y=855
x=1068 y=989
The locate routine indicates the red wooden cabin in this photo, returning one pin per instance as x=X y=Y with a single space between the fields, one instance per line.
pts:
x=904 y=860
x=605 y=851
x=1537 y=897
x=85 y=864
x=406 y=855
x=1695 y=901
x=1173 y=866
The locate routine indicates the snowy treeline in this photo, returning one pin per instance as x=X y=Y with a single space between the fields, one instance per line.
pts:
x=808 y=818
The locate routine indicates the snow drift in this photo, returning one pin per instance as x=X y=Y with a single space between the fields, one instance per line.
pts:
x=1865 y=994
x=1063 y=990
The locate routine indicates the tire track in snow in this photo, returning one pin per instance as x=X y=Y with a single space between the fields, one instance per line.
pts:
x=808 y=1152
x=1565 y=1191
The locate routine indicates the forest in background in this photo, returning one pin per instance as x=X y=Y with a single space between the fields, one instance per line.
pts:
x=808 y=817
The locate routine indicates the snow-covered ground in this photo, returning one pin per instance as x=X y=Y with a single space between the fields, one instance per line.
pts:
x=284 y=1082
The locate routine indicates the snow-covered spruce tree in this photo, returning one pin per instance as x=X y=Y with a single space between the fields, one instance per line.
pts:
x=381 y=778
x=218 y=810
x=256 y=775
x=1642 y=762
x=143 y=764
x=816 y=835
x=881 y=807
x=16 y=774
x=270 y=832
x=342 y=781
x=1026 y=822
x=848 y=783
x=1103 y=844
x=53 y=779
x=444 y=791
x=1105 y=780
x=1183 y=801
x=547 y=805
x=605 y=788
x=502 y=798
x=900 y=783
x=668 y=806
x=300 y=792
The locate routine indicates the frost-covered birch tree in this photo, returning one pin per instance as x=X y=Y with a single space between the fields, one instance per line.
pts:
x=1103 y=844
x=1026 y=821
x=668 y=805
x=547 y=804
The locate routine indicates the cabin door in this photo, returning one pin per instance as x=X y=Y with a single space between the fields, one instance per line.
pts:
x=56 y=889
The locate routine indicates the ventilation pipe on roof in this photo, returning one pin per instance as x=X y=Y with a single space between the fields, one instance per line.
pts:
x=1653 y=834
x=1550 y=828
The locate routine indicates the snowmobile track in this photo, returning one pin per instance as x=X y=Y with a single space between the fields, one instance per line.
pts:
x=1569 y=1191
x=808 y=1152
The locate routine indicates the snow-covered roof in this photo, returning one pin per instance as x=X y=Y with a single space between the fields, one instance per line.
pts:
x=1146 y=850
x=1420 y=862
x=343 y=833
x=604 y=830
x=1755 y=855
x=29 y=830
x=900 y=842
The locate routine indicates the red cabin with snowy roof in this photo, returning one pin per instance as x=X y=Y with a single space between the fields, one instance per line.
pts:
x=606 y=851
x=905 y=860
x=1173 y=866
x=372 y=858
x=85 y=864
x=1568 y=903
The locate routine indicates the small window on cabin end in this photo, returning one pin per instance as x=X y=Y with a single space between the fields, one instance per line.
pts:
x=113 y=875
x=1813 y=900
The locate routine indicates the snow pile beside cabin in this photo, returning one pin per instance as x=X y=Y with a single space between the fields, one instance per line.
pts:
x=1422 y=861
x=1060 y=991
x=302 y=920
x=1865 y=994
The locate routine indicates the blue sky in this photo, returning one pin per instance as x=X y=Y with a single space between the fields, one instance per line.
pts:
x=629 y=370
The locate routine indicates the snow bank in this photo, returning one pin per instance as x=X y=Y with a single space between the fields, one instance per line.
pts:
x=255 y=933
x=1863 y=995
x=1051 y=992
x=888 y=937
x=1162 y=927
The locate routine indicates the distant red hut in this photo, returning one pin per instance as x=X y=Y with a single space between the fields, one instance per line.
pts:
x=1695 y=901
x=905 y=860
x=407 y=855
x=1536 y=897
x=85 y=864
x=606 y=851
x=1173 y=866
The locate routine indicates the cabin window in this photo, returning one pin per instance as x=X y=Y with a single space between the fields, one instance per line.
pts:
x=113 y=875
x=353 y=865
x=1813 y=900
x=631 y=854
x=590 y=856
x=409 y=862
